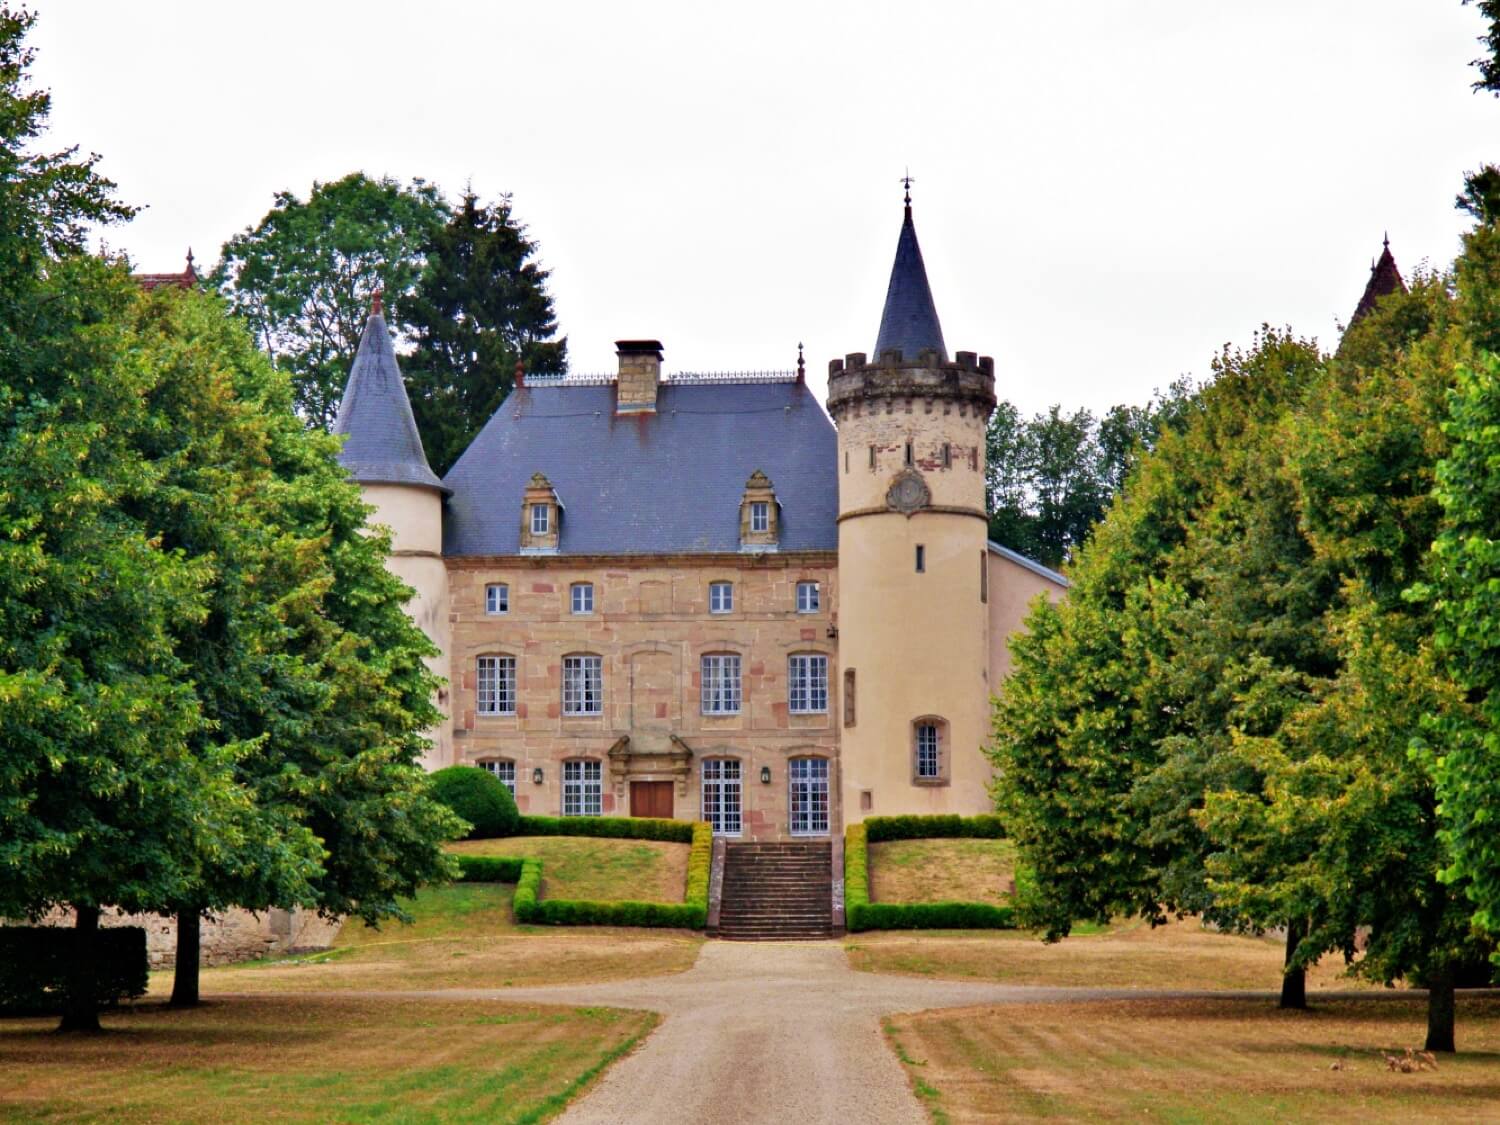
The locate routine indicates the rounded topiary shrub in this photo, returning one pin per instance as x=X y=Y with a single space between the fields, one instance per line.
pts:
x=479 y=797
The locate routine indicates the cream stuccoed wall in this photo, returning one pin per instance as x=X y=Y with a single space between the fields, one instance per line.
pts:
x=415 y=517
x=1012 y=589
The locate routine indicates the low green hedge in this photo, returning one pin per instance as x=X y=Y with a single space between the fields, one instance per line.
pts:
x=488 y=868
x=529 y=907
x=618 y=827
x=862 y=914
x=39 y=964
x=938 y=827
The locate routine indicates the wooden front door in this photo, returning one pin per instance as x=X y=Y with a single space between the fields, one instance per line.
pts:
x=651 y=798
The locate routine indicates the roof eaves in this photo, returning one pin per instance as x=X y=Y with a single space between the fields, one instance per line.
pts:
x=1029 y=564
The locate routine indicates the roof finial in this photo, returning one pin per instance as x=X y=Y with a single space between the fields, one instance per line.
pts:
x=801 y=369
x=377 y=302
x=907 y=181
x=190 y=260
x=1386 y=242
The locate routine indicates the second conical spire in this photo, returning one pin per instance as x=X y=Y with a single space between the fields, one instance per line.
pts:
x=910 y=320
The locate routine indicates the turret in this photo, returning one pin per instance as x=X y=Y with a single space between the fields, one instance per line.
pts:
x=913 y=626
x=383 y=453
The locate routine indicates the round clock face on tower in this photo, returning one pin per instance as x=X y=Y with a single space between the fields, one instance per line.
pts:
x=908 y=492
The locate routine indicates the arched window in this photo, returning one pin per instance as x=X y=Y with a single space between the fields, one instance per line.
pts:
x=583 y=787
x=721 y=795
x=929 y=750
x=502 y=768
x=495 y=685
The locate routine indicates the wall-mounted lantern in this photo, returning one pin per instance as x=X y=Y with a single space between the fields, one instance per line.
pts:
x=765 y=775
x=536 y=776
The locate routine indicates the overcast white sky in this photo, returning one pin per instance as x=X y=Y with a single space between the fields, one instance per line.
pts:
x=1106 y=190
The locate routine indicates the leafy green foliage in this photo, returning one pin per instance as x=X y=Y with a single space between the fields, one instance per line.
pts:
x=478 y=797
x=933 y=827
x=488 y=868
x=40 y=967
x=304 y=276
x=479 y=307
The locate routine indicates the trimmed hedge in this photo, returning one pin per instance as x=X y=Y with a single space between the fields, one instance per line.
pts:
x=479 y=797
x=691 y=913
x=488 y=868
x=38 y=965
x=939 y=827
x=617 y=827
x=862 y=914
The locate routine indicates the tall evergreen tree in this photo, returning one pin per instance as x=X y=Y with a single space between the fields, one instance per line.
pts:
x=480 y=307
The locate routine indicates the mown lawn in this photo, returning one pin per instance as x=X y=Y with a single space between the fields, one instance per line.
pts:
x=597 y=870
x=291 y=1059
x=1181 y=954
x=1197 y=1061
x=942 y=871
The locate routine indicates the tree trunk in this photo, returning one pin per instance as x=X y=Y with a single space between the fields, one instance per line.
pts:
x=185 y=972
x=1293 y=981
x=81 y=1004
x=1440 y=1010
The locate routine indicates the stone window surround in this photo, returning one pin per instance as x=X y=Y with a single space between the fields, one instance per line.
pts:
x=944 y=776
x=581 y=599
x=720 y=591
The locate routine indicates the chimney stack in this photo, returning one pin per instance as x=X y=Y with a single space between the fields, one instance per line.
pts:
x=640 y=376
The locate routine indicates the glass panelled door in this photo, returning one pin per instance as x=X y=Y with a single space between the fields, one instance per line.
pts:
x=808 y=799
x=721 y=795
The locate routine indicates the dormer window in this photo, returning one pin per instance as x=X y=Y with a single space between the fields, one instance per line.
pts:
x=541 y=512
x=759 y=514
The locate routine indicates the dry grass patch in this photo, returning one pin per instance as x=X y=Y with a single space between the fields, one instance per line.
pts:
x=942 y=871
x=596 y=869
x=314 y=1059
x=463 y=937
x=1197 y=1060
x=1180 y=954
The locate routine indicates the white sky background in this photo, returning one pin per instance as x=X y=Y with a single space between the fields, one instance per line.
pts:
x=1106 y=191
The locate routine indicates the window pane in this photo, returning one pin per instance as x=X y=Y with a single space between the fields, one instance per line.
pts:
x=760 y=516
x=808 y=797
x=807 y=597
x=721 y=795
x=497 y=599
x=582 y=787
x=583 y=598
x=721 y=684
x=505 y=771
x=539 y=520
x=927 y=750
x=807 y=678
x=720 y=597
x=495 y=682
x=583 y=685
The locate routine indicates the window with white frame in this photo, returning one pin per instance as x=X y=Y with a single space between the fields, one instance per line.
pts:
x=496 y=685
x=505 y=771
x=760 y=515
x=807 y=683
x=807 y=597
x=928 y=749
x=583 y=597
x=541 y=519
x=721 y=795
x=721 y=684
x=497 y=598
x=720 y=597
x=583 y=685
x=808 y=797
x=583 y=787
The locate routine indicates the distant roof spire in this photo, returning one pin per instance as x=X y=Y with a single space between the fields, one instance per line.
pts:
x=1385 y=279
x=377 y=302
x=910 y=320
x=383 y=445
x=801 y=370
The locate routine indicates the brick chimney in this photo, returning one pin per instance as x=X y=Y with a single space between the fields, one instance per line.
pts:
x=640 y=376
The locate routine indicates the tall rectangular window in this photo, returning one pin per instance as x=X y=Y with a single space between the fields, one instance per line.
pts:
x=947 y=456
x=583 y=685
x=496 y=684
x=760 y=515
x=909 y=457
x=541 y=519
x=984 y=576
x=721 y=795
x=872 y=456
x=720 y=597
x=721 y=684
x=807 y=683
x=583 y=788
x=927 y=751
x=808 y=798
x=921 y=559
x=497 y=598
x=807 y=597
x=505 y=771
x=583 y=597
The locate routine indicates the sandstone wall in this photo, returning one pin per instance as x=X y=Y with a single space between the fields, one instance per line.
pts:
x=235 y=935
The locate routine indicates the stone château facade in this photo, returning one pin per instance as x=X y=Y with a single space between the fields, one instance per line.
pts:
x=693 y=596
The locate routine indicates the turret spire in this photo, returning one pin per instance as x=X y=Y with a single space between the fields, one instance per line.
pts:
x=383 y=445
x=1385 y=279
x=909 y=321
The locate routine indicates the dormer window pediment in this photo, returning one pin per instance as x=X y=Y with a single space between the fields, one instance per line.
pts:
x=760 y=514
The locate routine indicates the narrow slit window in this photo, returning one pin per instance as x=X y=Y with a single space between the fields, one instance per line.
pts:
x=908 y=455
x=872 y=456
x=921 y=559
x=984 y=577
x=947 y=456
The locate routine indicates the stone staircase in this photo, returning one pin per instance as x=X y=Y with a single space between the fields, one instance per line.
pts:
x=777 y=892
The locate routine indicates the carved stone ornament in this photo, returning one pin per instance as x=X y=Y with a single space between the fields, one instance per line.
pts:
x=908 y=492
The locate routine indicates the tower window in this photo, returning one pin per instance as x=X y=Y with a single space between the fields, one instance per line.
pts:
x=921 y=559
x=846 y=460
x=947 y=456
x=497 y=598
x=927 y=751
x=984 y=577
x=848 y=697
x=908 y=455
x=872 y=456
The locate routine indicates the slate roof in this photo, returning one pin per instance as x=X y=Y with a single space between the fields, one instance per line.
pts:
x=1385 y=279
x=909 y=320
x=648 y=484
x=383 y=445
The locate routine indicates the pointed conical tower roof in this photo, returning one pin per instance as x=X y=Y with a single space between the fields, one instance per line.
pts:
x=383 y=445
x=910 y=319
x=1385 y=279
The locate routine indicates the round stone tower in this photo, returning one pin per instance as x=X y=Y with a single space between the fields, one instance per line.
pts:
x=913 y=623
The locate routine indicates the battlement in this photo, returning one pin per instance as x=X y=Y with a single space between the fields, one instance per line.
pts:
x=968 y=380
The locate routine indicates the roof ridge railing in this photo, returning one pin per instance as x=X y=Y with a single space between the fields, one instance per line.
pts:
x=572 y=379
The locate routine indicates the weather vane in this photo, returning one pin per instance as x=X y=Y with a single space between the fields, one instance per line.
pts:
x=906 y=181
